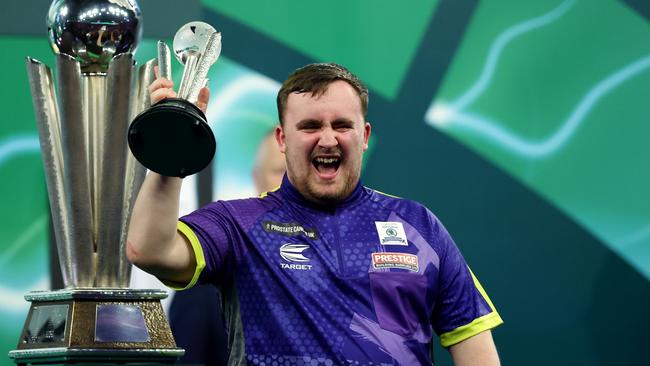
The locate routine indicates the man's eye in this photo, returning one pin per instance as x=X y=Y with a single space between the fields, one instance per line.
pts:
x=308 y=125
x=343 y=127
x=343 y=124
x=308 y=128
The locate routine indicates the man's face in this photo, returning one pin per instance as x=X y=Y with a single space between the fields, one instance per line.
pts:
x=324 y=139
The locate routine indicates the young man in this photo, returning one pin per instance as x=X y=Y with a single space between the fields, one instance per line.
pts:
x=323 y=270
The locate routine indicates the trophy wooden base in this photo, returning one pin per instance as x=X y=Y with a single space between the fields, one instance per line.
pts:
x=96 y=325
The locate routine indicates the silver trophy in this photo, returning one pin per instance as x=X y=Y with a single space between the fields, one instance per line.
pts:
x=92 y=181
x=173 y=137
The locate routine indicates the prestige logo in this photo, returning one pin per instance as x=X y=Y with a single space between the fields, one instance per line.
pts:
x=395 y=260
x=289 y=229
x=291 y=252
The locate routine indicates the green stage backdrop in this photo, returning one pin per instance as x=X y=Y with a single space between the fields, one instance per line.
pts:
x=522 y=124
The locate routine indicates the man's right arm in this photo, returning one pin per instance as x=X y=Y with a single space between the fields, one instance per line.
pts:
x=154 y=245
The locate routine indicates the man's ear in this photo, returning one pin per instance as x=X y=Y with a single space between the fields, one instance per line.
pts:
x=280 y=138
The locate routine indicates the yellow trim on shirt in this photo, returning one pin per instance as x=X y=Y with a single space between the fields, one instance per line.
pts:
x=188 y=233
x=264 y=194
x=386 y=194
x=478 y=325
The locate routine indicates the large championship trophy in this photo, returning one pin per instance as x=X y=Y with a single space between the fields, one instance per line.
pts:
x=92 y=181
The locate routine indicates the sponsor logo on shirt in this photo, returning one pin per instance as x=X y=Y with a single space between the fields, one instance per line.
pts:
x=289 y=229
x=391 y=233
x=292 y=252
x=395 y=260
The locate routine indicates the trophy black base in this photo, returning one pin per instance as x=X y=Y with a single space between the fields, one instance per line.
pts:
x=172 y=138
x=96 y=326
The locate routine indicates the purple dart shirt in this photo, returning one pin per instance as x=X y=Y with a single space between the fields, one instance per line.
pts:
x=367 y=282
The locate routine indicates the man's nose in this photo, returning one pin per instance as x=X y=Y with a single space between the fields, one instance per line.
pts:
x=328 y=138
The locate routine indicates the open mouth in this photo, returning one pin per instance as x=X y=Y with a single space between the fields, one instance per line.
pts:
x=326 y=165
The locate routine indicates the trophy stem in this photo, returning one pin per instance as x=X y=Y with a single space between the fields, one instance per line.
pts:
x=79 y=249
x=164 y=61
x=208 y=57
x=94 y=93
x=188 y=75
x=135 y=172
x=113 y=268
x=49 y=131
x=145 y=77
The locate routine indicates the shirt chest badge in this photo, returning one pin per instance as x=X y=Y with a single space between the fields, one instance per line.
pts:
x=395 y=260
x=289 y=229
x=391 y=233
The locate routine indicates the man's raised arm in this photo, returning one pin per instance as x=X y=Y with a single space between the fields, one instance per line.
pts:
x=153 y=244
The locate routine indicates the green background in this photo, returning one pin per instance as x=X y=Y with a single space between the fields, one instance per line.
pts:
x=522 y=125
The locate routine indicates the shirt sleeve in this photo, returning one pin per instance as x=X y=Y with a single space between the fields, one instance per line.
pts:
x=211 y=232
x=463 y=308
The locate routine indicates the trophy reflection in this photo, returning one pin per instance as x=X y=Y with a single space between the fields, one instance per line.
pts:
x=173 y=137
x=92 y=181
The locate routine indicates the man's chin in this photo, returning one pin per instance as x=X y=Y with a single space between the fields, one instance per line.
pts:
x=327 y=194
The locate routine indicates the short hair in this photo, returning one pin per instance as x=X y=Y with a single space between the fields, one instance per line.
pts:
x=315 y=79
